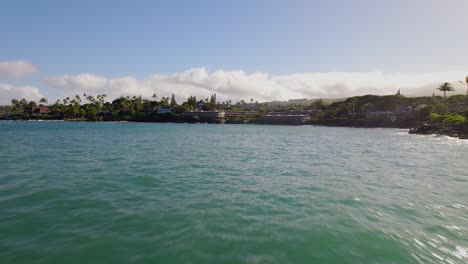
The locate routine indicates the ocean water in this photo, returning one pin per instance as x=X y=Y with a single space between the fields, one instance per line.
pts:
x=197 y=193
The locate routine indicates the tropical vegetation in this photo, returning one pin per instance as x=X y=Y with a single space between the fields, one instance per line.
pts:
x=446 y=87
x=356 y=111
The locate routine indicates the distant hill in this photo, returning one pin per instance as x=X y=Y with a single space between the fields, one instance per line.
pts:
x=303 y=101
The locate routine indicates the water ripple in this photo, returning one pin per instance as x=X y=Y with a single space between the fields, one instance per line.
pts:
x=145 y=193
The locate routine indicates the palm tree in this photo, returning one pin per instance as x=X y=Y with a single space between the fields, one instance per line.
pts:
x=16 y=104
x=446 y=87
x=31 y=106
x=173 y=101
x=43 y=100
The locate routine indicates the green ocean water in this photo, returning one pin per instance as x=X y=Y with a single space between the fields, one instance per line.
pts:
x=186 y=193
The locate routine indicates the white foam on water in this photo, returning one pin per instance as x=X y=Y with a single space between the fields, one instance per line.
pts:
x=419 y=242
x=442 y=237
x=449 y=261
x=453 y=227
x=431 y=244
x=459 y=206
x=460 y=252
x=437 y=256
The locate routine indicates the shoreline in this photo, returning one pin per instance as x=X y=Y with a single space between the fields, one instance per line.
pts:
x=459 y=132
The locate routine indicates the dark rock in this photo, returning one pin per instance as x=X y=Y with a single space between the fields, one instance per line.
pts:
x=459 y=131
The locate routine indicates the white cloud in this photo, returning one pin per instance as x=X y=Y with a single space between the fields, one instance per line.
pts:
x=237 y=85
x=85 y=81
x=8 y=92
x=16 y=69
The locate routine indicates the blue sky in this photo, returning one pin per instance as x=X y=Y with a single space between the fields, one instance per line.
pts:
x=137 y=39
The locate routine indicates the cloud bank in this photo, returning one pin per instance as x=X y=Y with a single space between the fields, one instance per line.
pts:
x=9 y=91
x=16 y=69
x=238 y=85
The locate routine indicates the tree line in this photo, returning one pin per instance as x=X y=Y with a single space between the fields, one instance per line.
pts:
x=96 y=108
x=89 y=107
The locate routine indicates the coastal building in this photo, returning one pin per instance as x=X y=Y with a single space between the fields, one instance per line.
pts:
x=149 y=109
x=41 y=110
x=381 y=115
x=311 y=112
x=314 y=112
x=204 y=116
x=240 y=117
x=282 y=119
x=405 y=109
x=240 y=114
x=419 y=107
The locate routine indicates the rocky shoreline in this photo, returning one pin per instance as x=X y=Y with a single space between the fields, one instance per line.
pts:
x=458 y=131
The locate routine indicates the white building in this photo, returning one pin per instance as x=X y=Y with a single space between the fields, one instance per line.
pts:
x=380 y=114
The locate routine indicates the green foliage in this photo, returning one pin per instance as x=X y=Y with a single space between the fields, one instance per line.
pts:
x=181 y=108
x=352 y=110
x=436 y=118
x=173 y=101
x=318 y=104
x=164 y=101
x=5 y=108
x=192 y=102
x=455 y=119
x=321 y=116
x=464 y=113
x=378 y=103
x=458 y=98
x=213 y=99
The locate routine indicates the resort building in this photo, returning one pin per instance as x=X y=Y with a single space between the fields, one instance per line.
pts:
x=419 y=107
x=241 y=114
x=41 y=110
x=282 y=119
x=381 y=115
x=150 y=109
x=311 y=112
x=204 y=116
